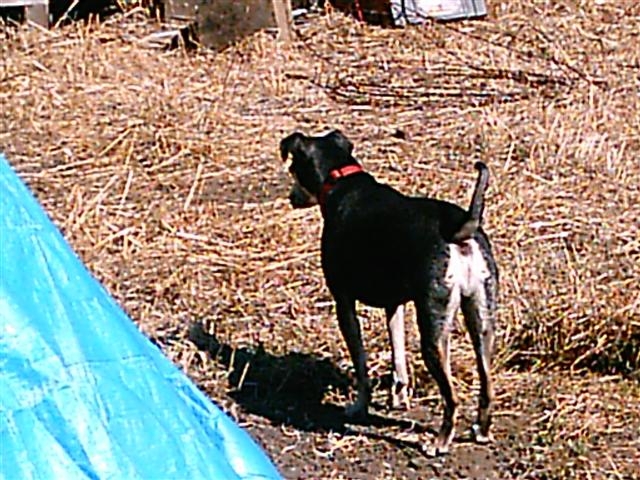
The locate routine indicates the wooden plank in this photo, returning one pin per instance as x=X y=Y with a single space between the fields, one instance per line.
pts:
x=282 y=11
x=36 y=11
x=181 y=9
x=223 y=22
x=38 y=14
x=22 y=3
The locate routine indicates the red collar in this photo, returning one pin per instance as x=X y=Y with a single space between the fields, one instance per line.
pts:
x=334 y=176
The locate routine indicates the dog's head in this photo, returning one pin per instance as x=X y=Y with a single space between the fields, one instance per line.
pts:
x=312 y=158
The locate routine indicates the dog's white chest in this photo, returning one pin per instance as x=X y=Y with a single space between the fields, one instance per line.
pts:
x=467 y=269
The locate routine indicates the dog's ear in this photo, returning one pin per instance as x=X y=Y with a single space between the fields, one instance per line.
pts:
x=341 y=141
x=290 y=144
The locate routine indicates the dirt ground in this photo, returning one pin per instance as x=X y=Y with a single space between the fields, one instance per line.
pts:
x=162 y=171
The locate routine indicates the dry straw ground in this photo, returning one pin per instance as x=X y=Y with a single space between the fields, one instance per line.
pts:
x=161 y=169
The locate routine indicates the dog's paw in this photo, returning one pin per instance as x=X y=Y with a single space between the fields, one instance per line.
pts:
x=479 y=437
x=433 y=451
x=400 y=397
x=356 y=411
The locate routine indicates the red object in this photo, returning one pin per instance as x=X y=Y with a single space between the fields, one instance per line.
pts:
x=345 y=171
x=334 y=175
x=375 y=12
x=359 y=13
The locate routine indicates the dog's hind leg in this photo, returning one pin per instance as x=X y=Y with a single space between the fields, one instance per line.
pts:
x=350 y=328
x=399 y=394
x=434 y=321
x=479 y=313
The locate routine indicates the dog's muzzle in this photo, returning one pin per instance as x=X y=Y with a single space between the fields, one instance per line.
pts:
x=299 y=197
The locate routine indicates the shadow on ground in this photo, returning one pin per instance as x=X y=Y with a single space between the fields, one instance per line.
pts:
x=287 y=390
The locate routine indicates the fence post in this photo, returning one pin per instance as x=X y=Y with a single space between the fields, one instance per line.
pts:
x=282 y=11
x=36 y=11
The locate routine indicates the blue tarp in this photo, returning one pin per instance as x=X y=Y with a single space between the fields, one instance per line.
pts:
x=83 y=394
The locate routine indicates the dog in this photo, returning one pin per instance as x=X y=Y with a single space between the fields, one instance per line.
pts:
x=385 y=249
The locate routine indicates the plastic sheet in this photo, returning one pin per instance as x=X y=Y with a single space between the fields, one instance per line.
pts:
x=83 y=394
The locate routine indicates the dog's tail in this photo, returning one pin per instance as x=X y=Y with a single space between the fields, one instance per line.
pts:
x=476 y=207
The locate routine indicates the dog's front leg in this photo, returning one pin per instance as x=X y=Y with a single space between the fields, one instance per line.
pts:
x=350 y=328
x=399 y=394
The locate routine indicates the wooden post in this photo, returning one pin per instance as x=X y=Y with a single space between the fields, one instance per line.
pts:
x=37 y=11
x=282 y=11
x=38 y=14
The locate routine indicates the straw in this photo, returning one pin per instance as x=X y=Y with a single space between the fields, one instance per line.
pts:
x=161 y=168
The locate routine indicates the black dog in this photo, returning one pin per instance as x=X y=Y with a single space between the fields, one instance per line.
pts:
x=385 y=249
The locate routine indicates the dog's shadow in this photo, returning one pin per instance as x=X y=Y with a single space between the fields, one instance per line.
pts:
x=289 y=389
